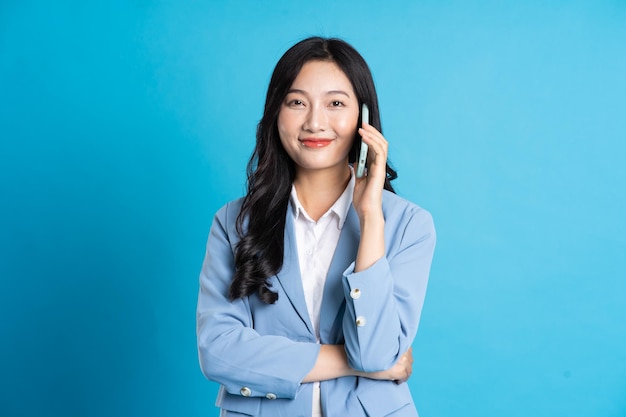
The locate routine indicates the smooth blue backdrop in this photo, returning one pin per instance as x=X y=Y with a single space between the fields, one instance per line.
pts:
x=124 y=125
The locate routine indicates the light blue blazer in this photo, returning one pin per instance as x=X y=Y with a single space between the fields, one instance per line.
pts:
x=260 y=353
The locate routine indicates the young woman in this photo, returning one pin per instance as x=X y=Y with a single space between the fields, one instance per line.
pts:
x=313 y=283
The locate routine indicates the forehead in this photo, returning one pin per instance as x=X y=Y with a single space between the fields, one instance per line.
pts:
x=322 y=76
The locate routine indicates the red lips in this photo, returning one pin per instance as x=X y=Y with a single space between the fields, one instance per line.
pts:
x=315 y=142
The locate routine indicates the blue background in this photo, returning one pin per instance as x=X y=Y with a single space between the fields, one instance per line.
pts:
x=124 y=125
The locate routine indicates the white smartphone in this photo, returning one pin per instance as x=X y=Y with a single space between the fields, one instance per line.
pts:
x=360 y=166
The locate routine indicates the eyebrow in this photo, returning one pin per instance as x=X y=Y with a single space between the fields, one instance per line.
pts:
x=328 y=93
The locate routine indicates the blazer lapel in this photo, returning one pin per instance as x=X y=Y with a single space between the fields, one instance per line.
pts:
x=289 y=275
x=333 y=301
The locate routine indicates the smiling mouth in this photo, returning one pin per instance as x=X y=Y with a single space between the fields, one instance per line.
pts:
x=315 y=143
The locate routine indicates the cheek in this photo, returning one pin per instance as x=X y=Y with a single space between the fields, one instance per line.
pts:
x=345 y=124
x=347 y=127
x=282 y=129
x=286 y=124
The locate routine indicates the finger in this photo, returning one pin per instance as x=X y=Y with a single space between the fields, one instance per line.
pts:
x=373 y=137
x=370 y=131
x=377 y=155
x=377 y=147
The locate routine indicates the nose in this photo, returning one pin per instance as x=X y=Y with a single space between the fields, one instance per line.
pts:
x=316 y=120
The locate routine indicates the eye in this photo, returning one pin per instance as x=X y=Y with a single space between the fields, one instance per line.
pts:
x=295 y=103
x=336 y=103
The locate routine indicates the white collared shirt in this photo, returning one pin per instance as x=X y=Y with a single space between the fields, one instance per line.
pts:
x=316 y=243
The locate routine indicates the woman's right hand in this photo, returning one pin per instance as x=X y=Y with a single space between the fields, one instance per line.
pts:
x=399 y=372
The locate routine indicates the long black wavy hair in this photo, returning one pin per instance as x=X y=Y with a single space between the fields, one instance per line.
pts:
x=271 y=172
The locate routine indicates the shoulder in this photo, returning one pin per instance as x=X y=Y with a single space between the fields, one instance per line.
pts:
x=397 y=208
x=229 y=211
x=406 y=220
x=225 y=218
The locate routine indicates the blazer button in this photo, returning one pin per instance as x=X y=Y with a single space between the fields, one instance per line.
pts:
x=270 y=396
x=245 y=391
x=360 y=321
x=355 y=293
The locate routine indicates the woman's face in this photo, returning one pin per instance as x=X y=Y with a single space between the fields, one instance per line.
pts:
x=318 y=119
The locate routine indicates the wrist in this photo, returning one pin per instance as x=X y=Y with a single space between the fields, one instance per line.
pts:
x=372 y=242
x=372 y=220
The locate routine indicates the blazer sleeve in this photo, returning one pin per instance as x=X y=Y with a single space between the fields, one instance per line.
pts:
x=230 y=351
x=384 y=302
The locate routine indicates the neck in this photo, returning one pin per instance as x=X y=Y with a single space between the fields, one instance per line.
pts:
x=318 y=190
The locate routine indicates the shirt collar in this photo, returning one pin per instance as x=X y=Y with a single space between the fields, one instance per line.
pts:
x=340 y=208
